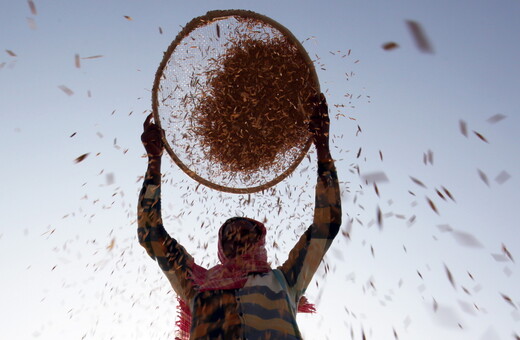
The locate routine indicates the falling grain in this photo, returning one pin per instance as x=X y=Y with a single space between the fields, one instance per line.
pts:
x=450 y=276
x=430 y=157
x=358 y=153
x=435 y=305
x=390 y=46
x=112 y=244
x=483 y=177
x=32 y=7
x=31 y=23
x=463 y=127
x=81 y=158
x=479 y=135
x=440 y=194
x=77 y=61
x=93 y=57
x=432 y=205
x=375 y=177
x=448 y=193
x=128 y=18
x=508 y=254
x=418 y=182
x=379 y=218
x=421 y=40
x=499 y=257
x=376 y=189
x=110 y=178
x=502 y=177
x=496 y=118
x=466 y=239
x=11 y=53
x=508 y=300
x=445 y=228
x=66 y=90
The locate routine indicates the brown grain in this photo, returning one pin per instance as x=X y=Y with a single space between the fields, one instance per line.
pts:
x=255 y=106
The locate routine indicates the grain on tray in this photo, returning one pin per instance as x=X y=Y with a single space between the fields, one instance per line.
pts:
x=256 y=104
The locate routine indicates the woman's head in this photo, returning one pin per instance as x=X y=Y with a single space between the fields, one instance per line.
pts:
x=238 y=235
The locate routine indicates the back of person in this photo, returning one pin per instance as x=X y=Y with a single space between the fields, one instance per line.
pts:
x=242 y=297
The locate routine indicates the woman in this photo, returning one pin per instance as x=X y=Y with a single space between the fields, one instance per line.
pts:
x=243 y=297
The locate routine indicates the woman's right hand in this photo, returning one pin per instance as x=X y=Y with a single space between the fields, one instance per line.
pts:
x=152 y=138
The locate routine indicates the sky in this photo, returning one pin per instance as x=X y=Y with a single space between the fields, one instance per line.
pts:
x=76 y=79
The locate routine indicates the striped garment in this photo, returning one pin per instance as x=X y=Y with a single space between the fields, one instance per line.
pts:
x=265 y=307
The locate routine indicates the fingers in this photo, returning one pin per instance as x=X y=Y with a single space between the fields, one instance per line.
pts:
x=150 y=127
x=148 y=121
x=319 y=120
x=321 y=109
x=323 y=100
x=318 y=99
x=152 y=135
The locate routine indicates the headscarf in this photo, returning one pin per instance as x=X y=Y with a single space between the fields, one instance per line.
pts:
x=232 y=273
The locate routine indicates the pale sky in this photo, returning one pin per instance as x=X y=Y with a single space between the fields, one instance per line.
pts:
x=72 y=267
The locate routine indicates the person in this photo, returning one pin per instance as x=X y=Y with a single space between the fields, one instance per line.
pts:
x=242 y=297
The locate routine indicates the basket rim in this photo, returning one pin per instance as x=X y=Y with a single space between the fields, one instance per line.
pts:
x=192 y=25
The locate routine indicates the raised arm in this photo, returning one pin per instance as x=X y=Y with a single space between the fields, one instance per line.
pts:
x=172 y=258
x=308 y=252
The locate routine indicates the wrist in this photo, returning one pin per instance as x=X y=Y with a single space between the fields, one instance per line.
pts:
x=322 y=144
x=154 y=163
x=154 y=168
x=322 y=148
x=325 y=158
x=324 y=155
x=154 y=159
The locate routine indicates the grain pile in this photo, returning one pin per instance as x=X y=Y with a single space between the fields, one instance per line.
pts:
x=232 y=94
x=255 y=106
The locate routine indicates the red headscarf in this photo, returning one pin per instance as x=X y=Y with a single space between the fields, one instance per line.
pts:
x=231 y=273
